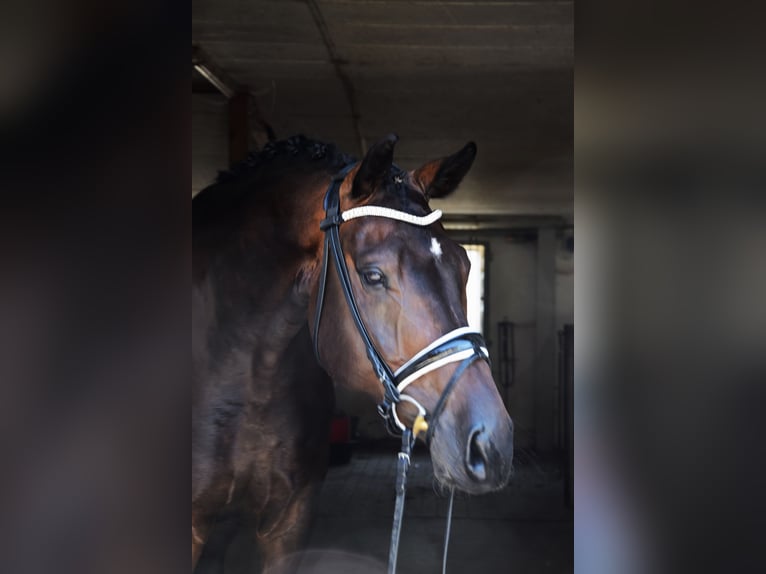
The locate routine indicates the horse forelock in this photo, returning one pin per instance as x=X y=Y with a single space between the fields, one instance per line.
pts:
x=399 y=192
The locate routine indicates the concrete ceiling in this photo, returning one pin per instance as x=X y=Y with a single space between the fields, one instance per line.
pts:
x=438 y=73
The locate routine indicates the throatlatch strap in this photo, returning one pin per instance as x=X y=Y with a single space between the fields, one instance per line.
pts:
x=320 y=297
x=331 y=211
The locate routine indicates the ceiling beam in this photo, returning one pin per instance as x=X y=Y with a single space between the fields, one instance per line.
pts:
x=241 y=106
x=501 y=223
x=213 y=74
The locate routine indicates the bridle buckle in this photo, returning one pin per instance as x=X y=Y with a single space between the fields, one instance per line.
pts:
x=331 y=221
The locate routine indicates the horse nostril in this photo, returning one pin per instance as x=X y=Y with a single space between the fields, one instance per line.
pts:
x=476 y=455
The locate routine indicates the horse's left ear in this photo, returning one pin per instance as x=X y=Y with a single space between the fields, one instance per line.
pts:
x=374 y=167
x=441 y=177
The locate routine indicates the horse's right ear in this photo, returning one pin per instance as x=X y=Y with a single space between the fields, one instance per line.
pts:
x=375 y=167
x=441 y=177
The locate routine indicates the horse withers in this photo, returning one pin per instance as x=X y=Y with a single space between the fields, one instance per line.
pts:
x=265 y=306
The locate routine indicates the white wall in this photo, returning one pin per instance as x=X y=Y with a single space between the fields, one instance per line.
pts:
x=512 y=290
x=512 y=297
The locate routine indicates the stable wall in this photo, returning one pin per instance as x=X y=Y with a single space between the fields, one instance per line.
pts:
x=512 y=297
x=525 y=290
x=210 y=139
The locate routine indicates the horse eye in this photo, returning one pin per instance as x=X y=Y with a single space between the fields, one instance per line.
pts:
x=373 y=277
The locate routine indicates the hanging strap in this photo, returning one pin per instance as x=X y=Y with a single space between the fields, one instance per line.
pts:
x=402 y=466
x=449 y=528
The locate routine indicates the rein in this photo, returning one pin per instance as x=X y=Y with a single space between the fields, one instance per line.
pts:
x=462 y=344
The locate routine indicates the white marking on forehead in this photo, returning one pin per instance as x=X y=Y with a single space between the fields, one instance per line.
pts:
x=436 y=248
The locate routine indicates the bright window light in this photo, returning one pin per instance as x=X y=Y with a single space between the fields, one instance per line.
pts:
x=475 y=287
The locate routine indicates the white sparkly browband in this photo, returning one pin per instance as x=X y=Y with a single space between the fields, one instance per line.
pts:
x=387 y=212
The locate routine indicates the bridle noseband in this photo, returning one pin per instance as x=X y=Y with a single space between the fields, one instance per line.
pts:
x=462 y=344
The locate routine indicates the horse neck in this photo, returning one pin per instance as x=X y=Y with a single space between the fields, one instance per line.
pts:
x=296 y=225
x=280 y=249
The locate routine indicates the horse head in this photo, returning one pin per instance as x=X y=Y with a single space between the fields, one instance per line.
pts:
x=408 y=279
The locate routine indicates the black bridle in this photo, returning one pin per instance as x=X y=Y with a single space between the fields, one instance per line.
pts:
x=332 y=248
x=462 y=344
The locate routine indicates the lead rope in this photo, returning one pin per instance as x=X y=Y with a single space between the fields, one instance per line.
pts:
x=402 y=466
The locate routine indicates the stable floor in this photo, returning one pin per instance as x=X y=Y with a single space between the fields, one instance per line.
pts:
x=526 y=528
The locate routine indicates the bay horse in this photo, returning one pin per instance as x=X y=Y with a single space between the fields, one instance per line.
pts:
x=273 y=331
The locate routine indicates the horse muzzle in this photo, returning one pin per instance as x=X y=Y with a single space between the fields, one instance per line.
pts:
x=488 y=457
x=473 y=450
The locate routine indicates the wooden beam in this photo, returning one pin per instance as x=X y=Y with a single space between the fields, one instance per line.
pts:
x=213 y=74
x=240 y=107
x=502 y=223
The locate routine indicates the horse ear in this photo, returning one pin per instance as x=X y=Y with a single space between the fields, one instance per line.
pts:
x=441 y=177
x=375 y=166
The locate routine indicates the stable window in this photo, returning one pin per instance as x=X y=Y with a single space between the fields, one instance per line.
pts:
x=475 y=288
